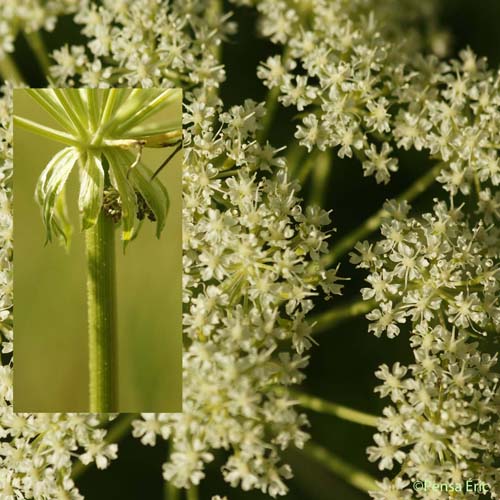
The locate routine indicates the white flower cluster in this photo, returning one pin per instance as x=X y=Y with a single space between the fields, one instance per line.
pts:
x=436 y=265
x=37 y=450
x=143 y=43
x=251 y=254
x=29 y=16
x=444 y=277
x=443 y=425
x=363 y=91
x=344 y=69
x=251 y=261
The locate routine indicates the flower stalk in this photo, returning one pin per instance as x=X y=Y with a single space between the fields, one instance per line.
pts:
x=326 y=320
x=373 y=223
x=37 y=45
x=101 y=302
x=355 y=477
x=344 y=412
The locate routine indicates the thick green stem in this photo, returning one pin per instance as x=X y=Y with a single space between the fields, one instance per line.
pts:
x=339 y=411
x=101 y=295
x=373 y=223
x=327 y=319
x=355 y=477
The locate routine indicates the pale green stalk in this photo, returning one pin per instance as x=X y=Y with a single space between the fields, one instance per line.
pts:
x=93 y=104
x=294 y=157
x=192 y=493
x=68 y=103
x=321 y=170
x=170 y=492
x=142 y=112
x=271 y=107
x=109 y=107
x=37 y=45
x=49 y=103
x=349 y=473
x=101 y=299
x=305 y=168
x=44 y=131
x=374 y=222
x=344 y=412
x=326 y=320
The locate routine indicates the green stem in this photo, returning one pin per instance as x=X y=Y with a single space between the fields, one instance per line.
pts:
x=271 y=107
x=355 y=477
x=320 y=172
x=67 y=101
x=326 y=320
x=294 y=157
x=373 y=223
x=171 y=492
x=37 y=45
x=101 y=296
x=192 y=493
x=50 y=133
x=339 y=411
x=305 y=168
x=9 y=71
x=119 y=429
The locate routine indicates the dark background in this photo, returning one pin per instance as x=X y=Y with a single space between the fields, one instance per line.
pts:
x=342 y=366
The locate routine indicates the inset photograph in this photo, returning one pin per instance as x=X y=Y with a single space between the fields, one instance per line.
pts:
x=98 y=250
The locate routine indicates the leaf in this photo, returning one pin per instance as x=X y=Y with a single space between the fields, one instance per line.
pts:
x=153 y=191
x=60 y=221
x=91 y=190
x=118 y=177
x=49 y=187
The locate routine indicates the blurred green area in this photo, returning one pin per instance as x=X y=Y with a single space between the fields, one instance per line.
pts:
x=50 y=296
x=342 y=366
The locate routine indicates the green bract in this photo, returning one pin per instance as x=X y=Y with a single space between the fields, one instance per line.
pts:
x=104 y=131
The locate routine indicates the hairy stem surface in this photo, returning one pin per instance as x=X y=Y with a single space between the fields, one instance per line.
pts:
x=101 y=296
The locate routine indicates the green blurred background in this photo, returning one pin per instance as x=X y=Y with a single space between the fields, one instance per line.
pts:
x=342 y=366
x=50 y=296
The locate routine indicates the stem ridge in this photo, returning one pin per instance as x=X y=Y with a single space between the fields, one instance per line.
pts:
x=101 y=301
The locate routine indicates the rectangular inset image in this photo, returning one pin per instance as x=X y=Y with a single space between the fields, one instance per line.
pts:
x=98 y=250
